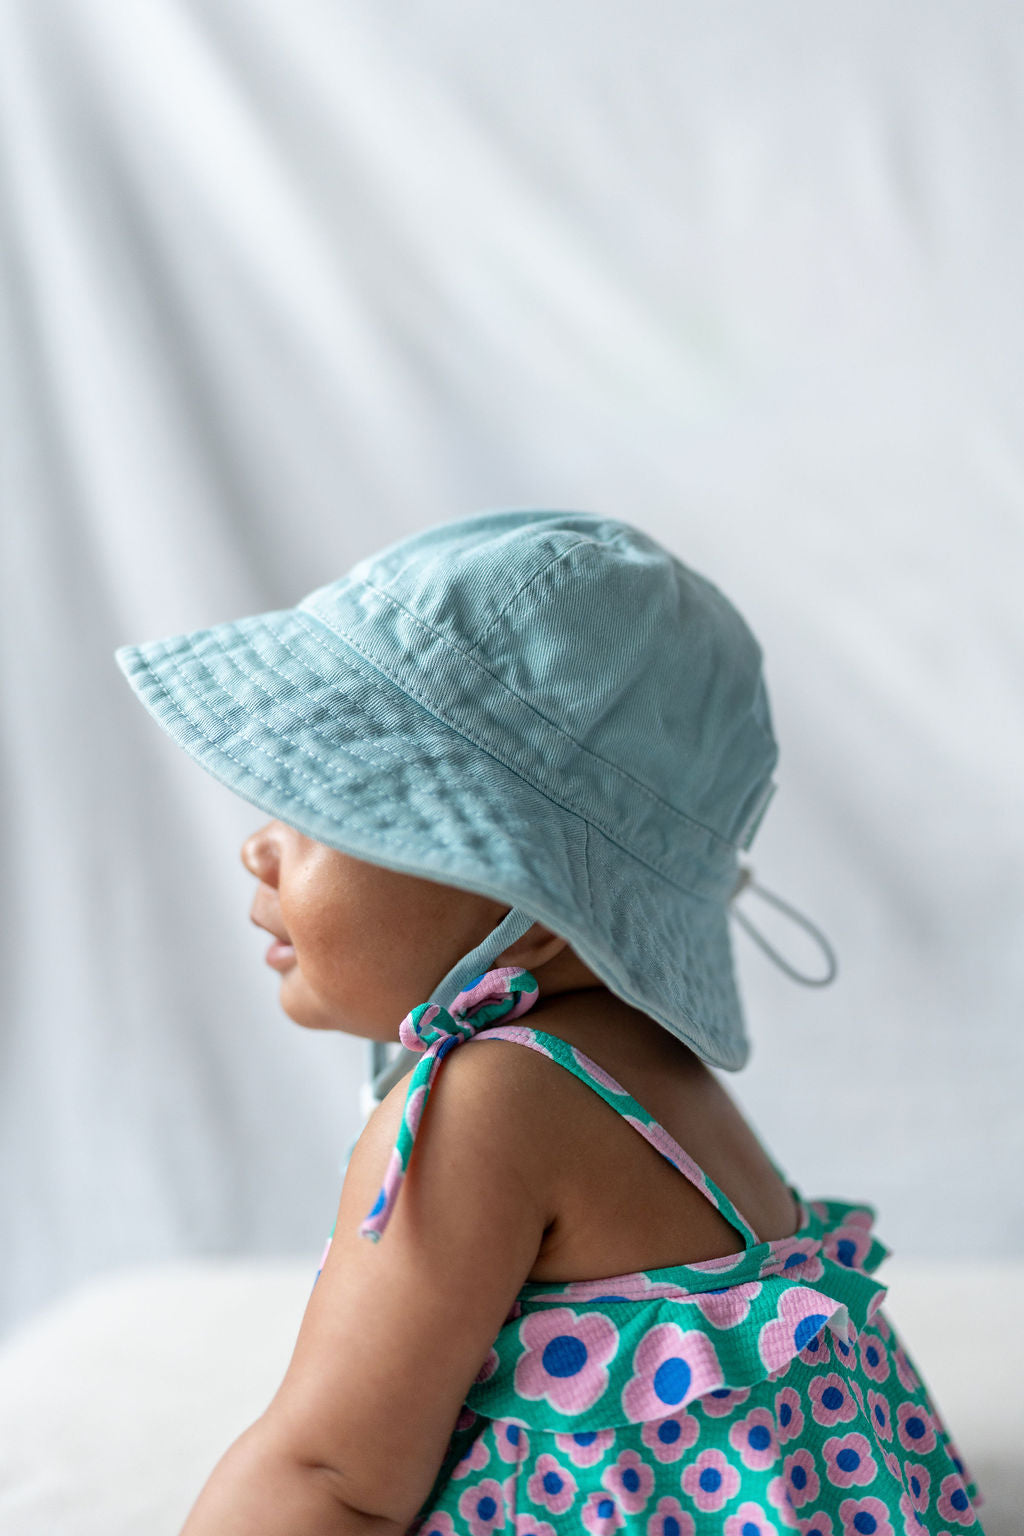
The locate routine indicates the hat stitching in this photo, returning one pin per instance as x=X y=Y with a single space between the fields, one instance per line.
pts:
x=517 y=594
x=462 y=730
x=431 y=705
x=247 y=768
x=325 y=785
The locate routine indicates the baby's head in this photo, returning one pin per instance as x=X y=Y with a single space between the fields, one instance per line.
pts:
x=524 y=736
x=359 y=945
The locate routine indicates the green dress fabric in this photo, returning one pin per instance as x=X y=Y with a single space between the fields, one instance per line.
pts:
x=741 y=1396
x=738 y=1396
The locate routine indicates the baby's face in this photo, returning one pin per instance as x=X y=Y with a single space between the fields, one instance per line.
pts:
x=359 y=945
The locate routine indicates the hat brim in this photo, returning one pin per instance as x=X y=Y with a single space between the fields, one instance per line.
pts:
x=280 y=710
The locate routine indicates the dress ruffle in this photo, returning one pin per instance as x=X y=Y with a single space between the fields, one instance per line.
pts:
x=684 y=1333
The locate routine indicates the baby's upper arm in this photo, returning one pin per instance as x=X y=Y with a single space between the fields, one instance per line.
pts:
x=395 y=1331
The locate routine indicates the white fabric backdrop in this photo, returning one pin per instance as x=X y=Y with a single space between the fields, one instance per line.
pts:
x=283 y=282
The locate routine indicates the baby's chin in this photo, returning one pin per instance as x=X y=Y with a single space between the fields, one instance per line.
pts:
x=304 y=1008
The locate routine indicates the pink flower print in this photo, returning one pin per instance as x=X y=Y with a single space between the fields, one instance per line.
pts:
x=880 y=1414
x=848 y=1461
x=472 y=1460
x=597 y=1073
x=816 y=1351
x=488 y=1368
x=800 y=1317
x=789 y=1417
x=565 y=1358
x=817 y=1525
x=781 y=1499
x=892 y=1463
x=848 y=1245
x=832 y=1401
x=909 y=1379
x=855 y=1388
x=874 y=1357
x=483 y=1507
x=586 y=1447
x=717 y=1266
x=512 y=1440
x=865 y=1517
x=795 y=1258
x=754 y=1437
x=723 y=1400
x=800 y=1478
x=437 y=1525
x=710 y=1480
x=670 y=1438
x=914 y=1428
x=728 y=1307
x=551 y=1485
x=913 y=1525
x=601 y=1515
x=953 y=1503
x=845 y=1352
x=670 y=1366
x=749 y=1520
x=670 y=1519
x=631 y=1480
x=529 y=1525
x=918 y=1483
x=878 y=1320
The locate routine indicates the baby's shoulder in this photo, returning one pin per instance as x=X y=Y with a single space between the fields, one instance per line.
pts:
x=488 y=1093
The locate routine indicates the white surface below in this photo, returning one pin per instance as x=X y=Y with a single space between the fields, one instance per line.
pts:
x=116 y=1403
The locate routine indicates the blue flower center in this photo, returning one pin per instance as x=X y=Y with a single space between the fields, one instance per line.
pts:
x=914 y=1427
x=798 y=1476
x=564 y=1355
x=631 y=1480
x=807 y=1328
x=871 y=1355
x=671 y=1380
x=670 y=1526
x=605 y=1508
x=846 y=1251
x=710 y=1479
x=750 y=1529
x=785 y=1414
x=848 y=1460
x=669 y=1431
x=760 y=1437
x=864 y=1524
x=585 y=1437
x=513 y=1433
x=552 y=1483
x=832 y=1399
x=958 y=1498
x=486 y=1509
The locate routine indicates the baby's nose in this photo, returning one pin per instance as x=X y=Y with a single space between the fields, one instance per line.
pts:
x=259 y=854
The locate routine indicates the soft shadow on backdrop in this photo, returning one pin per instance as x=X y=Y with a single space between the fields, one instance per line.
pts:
x=283 y=283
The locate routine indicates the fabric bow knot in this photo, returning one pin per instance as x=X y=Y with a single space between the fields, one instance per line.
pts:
x=504 y=993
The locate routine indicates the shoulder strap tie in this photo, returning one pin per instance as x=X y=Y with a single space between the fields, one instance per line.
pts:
x=745 y=879
x=504 y=993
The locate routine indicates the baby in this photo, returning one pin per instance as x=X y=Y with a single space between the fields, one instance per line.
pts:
x=511 y=763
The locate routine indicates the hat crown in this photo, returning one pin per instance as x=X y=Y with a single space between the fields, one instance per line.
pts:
x=594 y=643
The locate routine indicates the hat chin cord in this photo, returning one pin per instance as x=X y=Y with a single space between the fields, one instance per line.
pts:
x=386 y=1068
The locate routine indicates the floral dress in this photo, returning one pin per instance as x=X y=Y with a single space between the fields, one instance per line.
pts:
x=739 y=1396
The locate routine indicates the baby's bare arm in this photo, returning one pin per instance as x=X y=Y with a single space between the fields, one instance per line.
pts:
x=395 y=1331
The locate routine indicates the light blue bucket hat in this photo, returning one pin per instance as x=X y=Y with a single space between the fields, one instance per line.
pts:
x=545 y=707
